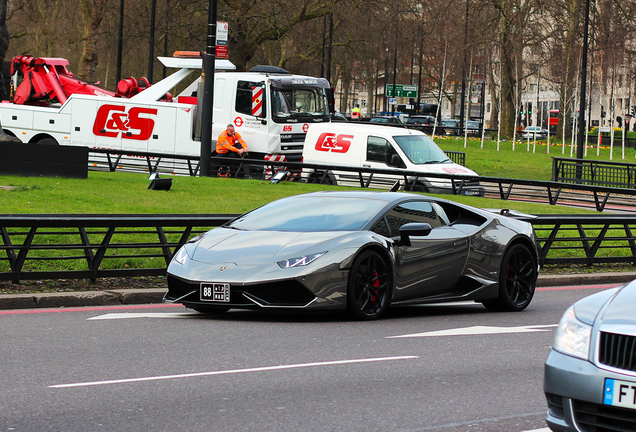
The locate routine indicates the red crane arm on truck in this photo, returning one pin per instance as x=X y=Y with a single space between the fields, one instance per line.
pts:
x=45 y=80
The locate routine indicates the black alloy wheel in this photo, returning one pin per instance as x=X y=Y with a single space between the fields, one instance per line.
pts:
x=517 y=280
x=369 y=288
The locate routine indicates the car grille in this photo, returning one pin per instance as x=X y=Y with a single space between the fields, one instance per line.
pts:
x=282 y=293
x=618 y=351
x=602 y=418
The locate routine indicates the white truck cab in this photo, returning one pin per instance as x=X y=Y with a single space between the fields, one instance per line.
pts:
x=381 y=147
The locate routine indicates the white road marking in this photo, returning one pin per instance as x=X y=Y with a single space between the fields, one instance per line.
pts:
x=144 y=315
x=235 y=371
x=478 y=330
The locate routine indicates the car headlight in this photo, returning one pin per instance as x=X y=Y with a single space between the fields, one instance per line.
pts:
x=300 y=261
x=572 y=336
x=185 y=252
x=181 y=256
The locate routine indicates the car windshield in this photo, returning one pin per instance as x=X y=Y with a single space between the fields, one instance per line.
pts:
x=451 y=123
x=310 y=214
x=298 y=102
x=420 y=149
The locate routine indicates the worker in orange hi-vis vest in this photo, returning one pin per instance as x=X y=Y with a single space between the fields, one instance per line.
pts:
x=229 y=144
x=355 y=113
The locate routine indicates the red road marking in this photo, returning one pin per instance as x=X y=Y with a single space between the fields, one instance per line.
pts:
x=89 y=309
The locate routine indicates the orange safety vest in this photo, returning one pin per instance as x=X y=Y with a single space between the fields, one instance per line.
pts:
x=225 y=143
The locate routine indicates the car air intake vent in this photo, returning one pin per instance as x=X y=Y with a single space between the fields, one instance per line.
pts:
x=283 y=293
x=178 y=287
x=602 y=418
x=618 y=351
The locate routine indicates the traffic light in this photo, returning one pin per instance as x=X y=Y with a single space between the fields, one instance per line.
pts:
x=603 y=113
x=633 y=107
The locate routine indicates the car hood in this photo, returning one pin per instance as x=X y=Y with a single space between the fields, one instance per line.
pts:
x=224 y=245
x=620 y=309
x=445 y=168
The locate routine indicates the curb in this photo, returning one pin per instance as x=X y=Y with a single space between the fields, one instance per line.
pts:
x=121 y=297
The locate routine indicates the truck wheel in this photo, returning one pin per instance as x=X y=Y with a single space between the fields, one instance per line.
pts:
x=48 y=141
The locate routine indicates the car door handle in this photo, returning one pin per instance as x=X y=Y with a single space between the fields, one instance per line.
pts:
x=460 y=244
x=366 y=166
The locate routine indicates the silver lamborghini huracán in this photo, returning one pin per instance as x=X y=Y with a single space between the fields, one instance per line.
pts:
x=360 y=252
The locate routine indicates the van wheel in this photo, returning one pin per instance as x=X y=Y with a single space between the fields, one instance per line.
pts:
x=416 y=187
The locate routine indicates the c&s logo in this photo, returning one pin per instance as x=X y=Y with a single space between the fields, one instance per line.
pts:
x=111 y=120
x=329 y=142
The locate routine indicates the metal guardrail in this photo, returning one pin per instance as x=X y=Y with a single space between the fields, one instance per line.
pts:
x=50 y=246
x=97 y=246
x=549 y=192
x=594 y=172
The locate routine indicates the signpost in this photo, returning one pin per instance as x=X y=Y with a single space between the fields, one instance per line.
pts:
x=221 y=39
x=403 y=90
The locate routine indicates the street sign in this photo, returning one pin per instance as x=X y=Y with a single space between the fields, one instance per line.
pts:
x=221 y=40
x=403 y=90
x=392 y=101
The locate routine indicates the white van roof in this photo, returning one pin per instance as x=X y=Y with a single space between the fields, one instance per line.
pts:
x=353 y=127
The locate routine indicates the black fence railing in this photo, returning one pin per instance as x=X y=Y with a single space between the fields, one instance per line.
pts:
x=97 y=246
x=94 y=246
x=550 y=192
x=594 y=172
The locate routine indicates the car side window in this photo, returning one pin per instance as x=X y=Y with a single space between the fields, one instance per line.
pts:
x=414 y=211
x=381 y=228
x=376 y=149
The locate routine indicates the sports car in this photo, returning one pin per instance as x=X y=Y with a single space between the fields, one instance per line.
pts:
x=357 y=251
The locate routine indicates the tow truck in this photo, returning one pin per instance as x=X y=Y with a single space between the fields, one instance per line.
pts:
x=271 y=108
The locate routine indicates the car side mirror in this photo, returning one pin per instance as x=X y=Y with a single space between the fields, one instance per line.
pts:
x=396 y=161
x=413 y=229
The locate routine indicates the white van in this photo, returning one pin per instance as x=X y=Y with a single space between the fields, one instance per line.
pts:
x=394 y=149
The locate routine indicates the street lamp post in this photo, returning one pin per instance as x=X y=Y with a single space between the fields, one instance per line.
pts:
x=582 y=99
x=208 y=92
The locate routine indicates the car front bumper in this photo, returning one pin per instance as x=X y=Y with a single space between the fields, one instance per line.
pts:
x=574 y=392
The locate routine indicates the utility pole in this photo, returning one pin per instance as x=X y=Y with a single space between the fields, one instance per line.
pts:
x=208 y=92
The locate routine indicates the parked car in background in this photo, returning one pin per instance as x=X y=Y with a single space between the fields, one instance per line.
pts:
x=338 y=117
x=590 y=373
x=386 y=120
x=534 y=131
x=450 y=126
x=473 y=128
x=421 y=121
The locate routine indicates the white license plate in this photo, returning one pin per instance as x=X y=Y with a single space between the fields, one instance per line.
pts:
x=215 y=292
x=620 y=393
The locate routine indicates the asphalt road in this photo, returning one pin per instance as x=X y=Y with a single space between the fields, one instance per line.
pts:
x=439 y=368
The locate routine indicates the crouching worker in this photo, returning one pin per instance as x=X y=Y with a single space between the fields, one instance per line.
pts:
x=229 y=144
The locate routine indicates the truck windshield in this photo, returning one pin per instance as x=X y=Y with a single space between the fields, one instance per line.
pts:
x=297 y=103
x=420 y=149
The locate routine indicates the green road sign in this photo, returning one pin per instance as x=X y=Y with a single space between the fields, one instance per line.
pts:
x=403 y=90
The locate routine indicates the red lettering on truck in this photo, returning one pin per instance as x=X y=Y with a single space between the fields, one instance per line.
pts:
x=111 y=120
x=329 y=142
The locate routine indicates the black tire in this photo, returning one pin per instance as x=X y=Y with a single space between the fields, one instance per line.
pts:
x=320 y=178
x=416 y=187
x=517 y=280
x=48 y=141
x=369 y=286
x=209 y=310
